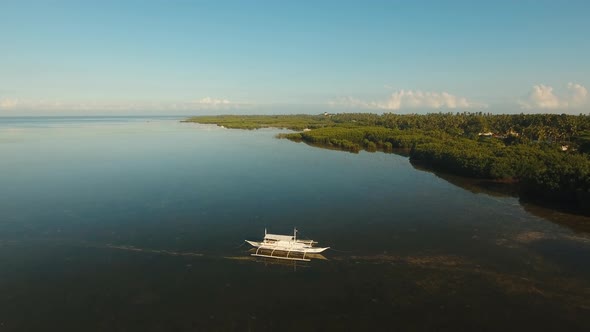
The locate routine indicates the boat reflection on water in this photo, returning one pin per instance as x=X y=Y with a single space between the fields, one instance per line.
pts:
x=290 y=263
x=283 y=254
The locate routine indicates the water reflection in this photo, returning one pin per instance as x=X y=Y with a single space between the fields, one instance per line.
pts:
x=575 y=222
x=140 y=226
x=558 y=214
x=476 y=186
x=286 y=256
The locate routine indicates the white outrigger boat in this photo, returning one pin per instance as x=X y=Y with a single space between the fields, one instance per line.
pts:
x=285 y=243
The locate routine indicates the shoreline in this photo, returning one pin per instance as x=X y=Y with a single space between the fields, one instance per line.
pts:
x=539 y=170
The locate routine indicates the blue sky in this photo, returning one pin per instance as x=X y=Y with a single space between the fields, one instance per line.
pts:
x=185 y=57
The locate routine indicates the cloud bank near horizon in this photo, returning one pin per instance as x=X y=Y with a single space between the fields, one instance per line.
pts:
x=410 y=99
x=8 y=103
x=206 y=103
x=543 y=97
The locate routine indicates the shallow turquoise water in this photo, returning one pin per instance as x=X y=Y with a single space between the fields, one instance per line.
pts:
x=138 y=224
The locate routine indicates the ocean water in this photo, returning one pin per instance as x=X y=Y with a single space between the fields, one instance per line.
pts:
x=138 y=224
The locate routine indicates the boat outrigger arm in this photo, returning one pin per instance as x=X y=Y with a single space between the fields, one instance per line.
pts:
x=285 y=243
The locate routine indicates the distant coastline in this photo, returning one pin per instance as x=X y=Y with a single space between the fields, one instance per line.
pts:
x=544 y=156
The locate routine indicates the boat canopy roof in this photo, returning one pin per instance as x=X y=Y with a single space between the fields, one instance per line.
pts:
x=277 y=237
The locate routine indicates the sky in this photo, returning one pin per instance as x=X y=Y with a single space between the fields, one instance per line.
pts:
x=207 y=57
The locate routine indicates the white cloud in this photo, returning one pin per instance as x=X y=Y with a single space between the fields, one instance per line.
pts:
x=578 y=94
x=410 y=99
x=203 y=104
x=211 y=104
x=350 y=102
x=543 y=97
x=212 y=101
x=8 y=103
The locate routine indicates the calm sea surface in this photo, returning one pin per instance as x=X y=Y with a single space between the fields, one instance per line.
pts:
x=138 y=224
